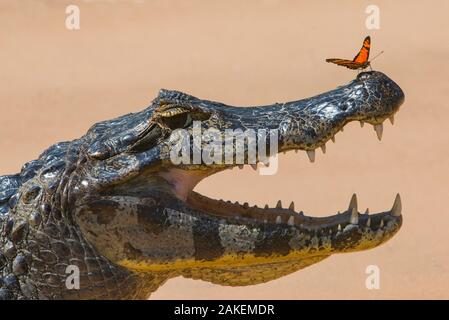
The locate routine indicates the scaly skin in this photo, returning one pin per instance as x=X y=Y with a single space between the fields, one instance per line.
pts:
x=113 y=204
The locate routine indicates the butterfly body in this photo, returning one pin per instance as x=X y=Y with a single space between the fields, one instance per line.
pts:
x=360 y=61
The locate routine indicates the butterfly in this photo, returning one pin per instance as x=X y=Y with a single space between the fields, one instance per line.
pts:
x=360 y=61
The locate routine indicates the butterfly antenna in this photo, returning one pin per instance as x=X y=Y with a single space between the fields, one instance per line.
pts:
x=376 y=55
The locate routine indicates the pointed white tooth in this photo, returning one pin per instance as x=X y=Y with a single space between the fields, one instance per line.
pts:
x=240 y=166
x=265 y=220
x=339 y=227
x=367 y=211
x=354 y=219
x=278 y=220
x=311 y=155
x=330 y=231
x=382 y=223
x=333 y=139
x=338 y=212
x=279 y=205
x=291 y=221
x=391 y=118
x=301 y=213
x=353 y=203
x=266 y=206
x=323 y=148
x=396 y=210
x=246 y=205
x=362 y=124
x=379 y=128
x=292 y=206
x=368 y=222
x=254 y=166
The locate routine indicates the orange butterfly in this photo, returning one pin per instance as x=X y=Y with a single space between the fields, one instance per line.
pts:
x=360 y=61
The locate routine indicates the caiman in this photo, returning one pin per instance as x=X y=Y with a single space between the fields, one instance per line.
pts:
x=113 y=206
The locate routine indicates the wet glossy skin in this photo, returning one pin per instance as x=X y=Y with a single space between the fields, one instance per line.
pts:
x=113 y=204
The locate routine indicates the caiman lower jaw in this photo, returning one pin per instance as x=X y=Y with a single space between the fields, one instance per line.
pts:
x=278 y=216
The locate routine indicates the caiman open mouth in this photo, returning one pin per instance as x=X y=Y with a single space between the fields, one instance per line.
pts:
x=183 y=183
x=304 y=125
x=224 y=228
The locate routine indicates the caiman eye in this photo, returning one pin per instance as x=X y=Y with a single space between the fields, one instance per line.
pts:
x=177 y=121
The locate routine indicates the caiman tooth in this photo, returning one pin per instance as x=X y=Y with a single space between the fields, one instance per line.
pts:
x=323 y=148
x=379 y=128
x=266 y=206
x=301 y=213
x=353 y=203
x=279 y=205
x=311 y=155
x=362 y=124
x=291 y=221
x=296 y=150
x=396 y=210
x=245 y=205
x=368 y=222
x=254 y=166
x=278 y=220
x=333 y=139
x=291 y=206
x=367 y=211
x=339 y=227
x=266 y=162
x=391 y=118
x=354 y=219
x=240 y=166
x=382 y=223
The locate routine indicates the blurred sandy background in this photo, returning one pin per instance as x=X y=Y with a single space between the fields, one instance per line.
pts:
x=55 y=83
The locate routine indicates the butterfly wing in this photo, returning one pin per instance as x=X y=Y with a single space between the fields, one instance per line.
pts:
x=363 y=55
x=345 y=63
x=360 y=61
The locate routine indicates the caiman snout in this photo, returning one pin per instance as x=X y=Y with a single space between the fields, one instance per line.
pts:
x=308 y=124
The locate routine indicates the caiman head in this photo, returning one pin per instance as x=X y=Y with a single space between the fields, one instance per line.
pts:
x=136 y=205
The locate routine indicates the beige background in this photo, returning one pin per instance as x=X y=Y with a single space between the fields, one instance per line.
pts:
x=55 y=83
